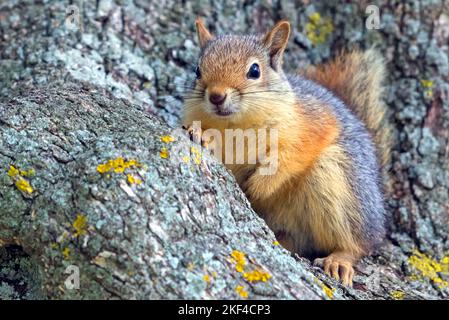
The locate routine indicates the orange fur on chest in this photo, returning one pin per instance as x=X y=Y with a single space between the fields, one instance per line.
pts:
x=306 y=145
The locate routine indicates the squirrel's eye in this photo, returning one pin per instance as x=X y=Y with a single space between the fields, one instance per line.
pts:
x=254 y=71
x=198 y=72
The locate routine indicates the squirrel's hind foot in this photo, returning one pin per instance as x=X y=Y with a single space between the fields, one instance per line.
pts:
x=338 y=265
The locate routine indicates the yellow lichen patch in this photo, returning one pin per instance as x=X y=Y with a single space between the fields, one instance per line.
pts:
x=239 y=259
x=167 y=139
x=257 y=275
x=430 y=268
x=445 y=264
x=117 y=165
x=80 y=225
x=426 y=83
x=21 y=183
x=103 y=168
x=196 y=155
x=164 y=153
x=28 y=173
x=397 y=294
x=66 y=253
x=12 y=172
x=186 y=159
x=133 y=180
x=318 y=29
x=241 y=291
x=276 y=243
x=328 y=291
x=24 y=186
x=206 y=278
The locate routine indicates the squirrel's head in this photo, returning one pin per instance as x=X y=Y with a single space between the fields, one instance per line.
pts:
x=238 y=74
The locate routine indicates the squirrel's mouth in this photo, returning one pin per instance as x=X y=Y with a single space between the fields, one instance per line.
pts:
x=223 y=113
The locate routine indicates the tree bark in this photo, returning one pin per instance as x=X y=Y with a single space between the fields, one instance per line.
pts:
x=169 y=236
x=76 y=94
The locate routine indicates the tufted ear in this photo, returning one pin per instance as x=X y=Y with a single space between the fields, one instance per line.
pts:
x=276 y=41
x=204 y=36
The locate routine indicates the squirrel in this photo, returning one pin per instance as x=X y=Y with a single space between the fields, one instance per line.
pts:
x=325 y=200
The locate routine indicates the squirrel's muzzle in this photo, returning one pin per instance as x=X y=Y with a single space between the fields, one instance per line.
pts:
x=217 y=98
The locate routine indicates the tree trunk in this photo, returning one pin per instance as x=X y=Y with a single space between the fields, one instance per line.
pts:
x=91 y=182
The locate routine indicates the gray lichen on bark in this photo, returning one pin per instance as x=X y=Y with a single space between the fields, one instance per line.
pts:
x=127 y=65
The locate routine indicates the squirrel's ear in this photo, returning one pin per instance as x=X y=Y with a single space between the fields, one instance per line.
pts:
x=276 y=41
x=204 y=36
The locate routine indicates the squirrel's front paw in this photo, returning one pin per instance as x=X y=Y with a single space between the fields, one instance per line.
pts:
x=196 y=136
x=339 y=266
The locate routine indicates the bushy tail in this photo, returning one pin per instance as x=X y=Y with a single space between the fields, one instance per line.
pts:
x=357 y=77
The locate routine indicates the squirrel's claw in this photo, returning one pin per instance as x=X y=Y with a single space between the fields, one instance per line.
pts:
x=337 y=266
x=196 y=136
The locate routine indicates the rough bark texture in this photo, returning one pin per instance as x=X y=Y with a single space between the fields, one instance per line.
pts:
x=71 y=100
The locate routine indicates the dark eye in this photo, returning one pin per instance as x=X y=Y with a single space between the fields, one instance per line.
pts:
x=198 y=72
x=254 y=71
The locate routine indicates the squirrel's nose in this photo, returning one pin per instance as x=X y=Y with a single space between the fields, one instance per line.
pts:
x=217 y=98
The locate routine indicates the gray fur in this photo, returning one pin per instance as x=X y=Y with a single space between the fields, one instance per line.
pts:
x=364 y=171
